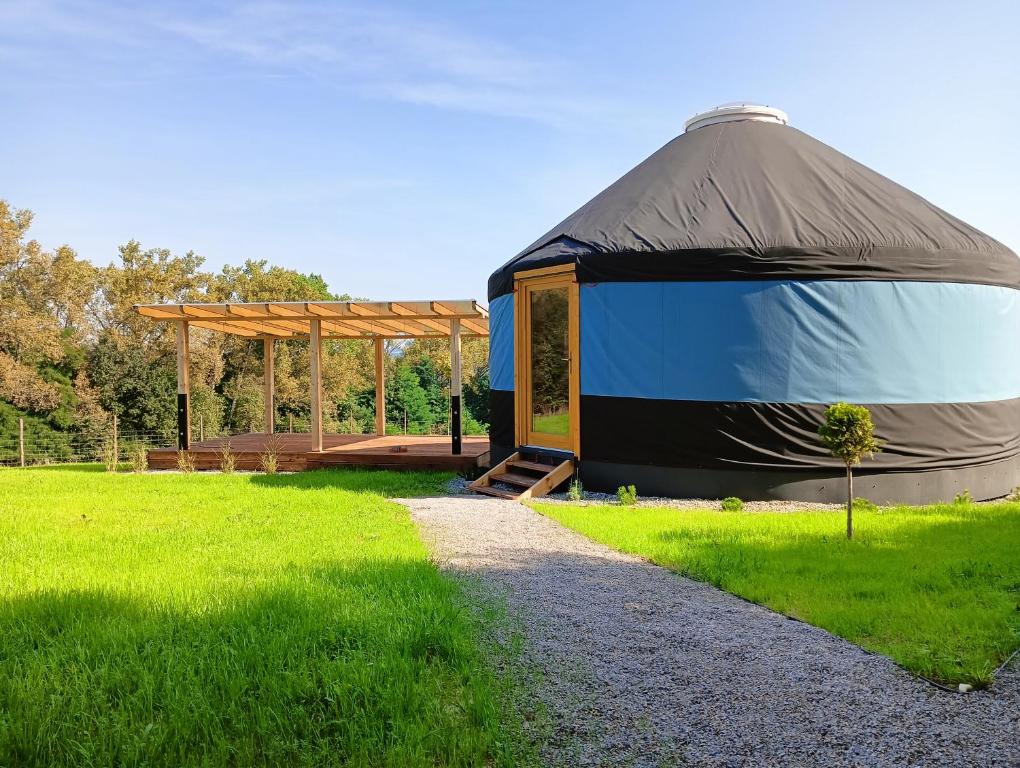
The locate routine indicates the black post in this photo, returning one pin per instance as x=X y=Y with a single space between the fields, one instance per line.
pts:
x=182 y=421
x=455 y=430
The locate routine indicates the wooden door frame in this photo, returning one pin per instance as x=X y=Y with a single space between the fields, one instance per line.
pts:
x=547 y=277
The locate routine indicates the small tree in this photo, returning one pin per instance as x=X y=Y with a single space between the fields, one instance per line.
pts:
x=850 y=434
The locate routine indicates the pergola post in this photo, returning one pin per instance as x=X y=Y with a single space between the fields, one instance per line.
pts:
x=315 y=364
x=380 y=386
x=183 y=387
x=268 y=382
x=455 y=387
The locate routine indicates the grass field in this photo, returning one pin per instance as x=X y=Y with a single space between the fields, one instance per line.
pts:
x=937 y=589
x=232 y=620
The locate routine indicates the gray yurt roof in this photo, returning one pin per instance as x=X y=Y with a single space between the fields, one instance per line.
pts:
x=758 y=199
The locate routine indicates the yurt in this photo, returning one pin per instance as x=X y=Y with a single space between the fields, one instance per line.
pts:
x=685 y=330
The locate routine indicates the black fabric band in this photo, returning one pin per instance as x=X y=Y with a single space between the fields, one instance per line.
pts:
x=501 y=413
x=781 y=263
x=682 y=433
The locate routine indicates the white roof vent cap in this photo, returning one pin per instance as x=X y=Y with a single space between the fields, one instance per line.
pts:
x=728 y=113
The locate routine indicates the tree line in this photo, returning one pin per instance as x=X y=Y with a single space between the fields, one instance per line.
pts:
x=74 y=353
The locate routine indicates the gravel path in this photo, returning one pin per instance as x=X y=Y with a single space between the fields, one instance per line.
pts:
x=638 y=666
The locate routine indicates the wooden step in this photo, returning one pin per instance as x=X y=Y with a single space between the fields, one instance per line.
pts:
x=513 y=478
x=488 y=490
x=534 y=466
x=546 y=478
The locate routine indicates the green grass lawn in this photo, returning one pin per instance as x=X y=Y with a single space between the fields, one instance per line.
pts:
x=232 y=620
x=936 y=588
x=552 y=424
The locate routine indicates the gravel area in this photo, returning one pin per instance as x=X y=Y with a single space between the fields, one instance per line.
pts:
x=772 y=505
x=638 y=666
x=594 y=497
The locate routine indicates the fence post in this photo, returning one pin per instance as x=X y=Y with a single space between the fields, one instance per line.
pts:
x=116 y=448
x=201 y=427
x=290 y=422
x=21 y=441
x=405 y=421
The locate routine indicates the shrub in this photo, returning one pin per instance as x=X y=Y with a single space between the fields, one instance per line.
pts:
x=575 y=492
x=963 y=498
x=862 y=504
x=732 y=504
x=139 y=459
x=109 y=455
x=228 y=459
x=626 y=495
x=849 y=434
x=271 y=456
x=269 y=462
x=185 y=462
x=1015 y=495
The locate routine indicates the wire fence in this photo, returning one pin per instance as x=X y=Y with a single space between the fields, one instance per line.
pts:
x=352 y=426
x=29 y=445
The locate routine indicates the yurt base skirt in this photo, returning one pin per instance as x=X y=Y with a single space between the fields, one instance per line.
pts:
x=824 y=485
x=693 y=449
x=828 y=485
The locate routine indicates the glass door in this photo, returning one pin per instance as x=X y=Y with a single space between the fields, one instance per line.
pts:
x=547 y=400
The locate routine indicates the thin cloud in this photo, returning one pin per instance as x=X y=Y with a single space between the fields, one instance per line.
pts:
x=382 y=54
x=376 y=52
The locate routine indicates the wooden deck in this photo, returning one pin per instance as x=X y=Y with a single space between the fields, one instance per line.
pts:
x=295 y=454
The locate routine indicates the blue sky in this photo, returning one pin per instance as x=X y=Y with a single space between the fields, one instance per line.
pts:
x=406 y=150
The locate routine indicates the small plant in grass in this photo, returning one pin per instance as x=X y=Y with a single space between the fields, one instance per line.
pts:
x=110 y=456
x=626 y=495
x=185 y=461
x=849 y=434
x=732 y=504
x=270 y=459
x=575 y=492
x=862 y=504
x=228 y=459
x=963 y=498
x=139 y=459
x=1015 y=495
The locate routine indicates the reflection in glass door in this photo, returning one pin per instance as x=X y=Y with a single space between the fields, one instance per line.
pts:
x=550 y=361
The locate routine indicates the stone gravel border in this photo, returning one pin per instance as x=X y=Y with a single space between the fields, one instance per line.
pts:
x=638 y=666
x=459 y=486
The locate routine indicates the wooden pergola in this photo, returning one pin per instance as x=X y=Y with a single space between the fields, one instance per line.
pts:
x=376 y=321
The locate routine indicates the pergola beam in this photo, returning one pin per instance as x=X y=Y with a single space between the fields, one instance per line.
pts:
x=473 y=325
x=378 y=326
x=336 y=329
x=232 y=329
x=341 y=319
x=398 y=336
x=298 y=310
x=255 y=323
